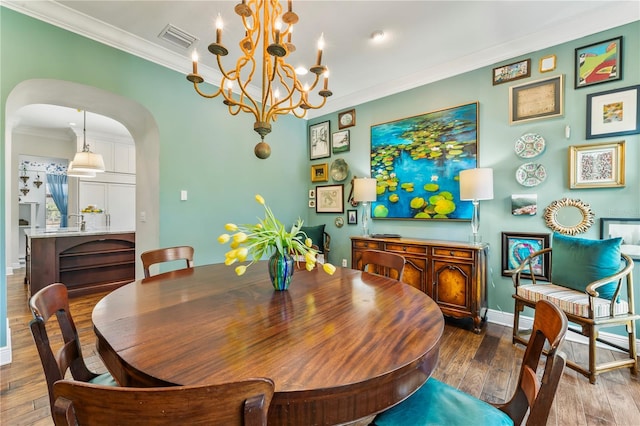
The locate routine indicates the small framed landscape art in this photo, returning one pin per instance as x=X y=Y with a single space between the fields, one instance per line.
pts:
x=524 y=204
x=340 y=142
x=613 y=113
x=627 y=229
x=596 y=166
x=598 y=63
x=515 y=71
x=319 y=143
x=537 y=99
x=320 y=172
x=330 y=199
x=517 y=246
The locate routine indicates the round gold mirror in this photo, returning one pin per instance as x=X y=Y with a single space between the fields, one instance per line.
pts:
x=568 y=216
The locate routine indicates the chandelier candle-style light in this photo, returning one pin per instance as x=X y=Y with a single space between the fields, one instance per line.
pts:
x=263 y=46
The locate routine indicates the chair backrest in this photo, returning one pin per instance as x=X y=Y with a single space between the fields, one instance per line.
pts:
x=383 y=262
x=168 y=254
x=243 y=403
x=47 y=302
x=532 y=393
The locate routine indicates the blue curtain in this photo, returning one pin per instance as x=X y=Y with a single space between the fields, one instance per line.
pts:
x=58 y=187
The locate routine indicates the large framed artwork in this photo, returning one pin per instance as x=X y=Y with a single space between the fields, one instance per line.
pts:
x=596 y=166
x=416 y=162
x=319 y=140
x=598 y=63
x=517 y=246
x=536 y=100
x=613 y=113
x=330 y=199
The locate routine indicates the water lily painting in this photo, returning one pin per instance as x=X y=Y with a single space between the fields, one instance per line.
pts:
x=416 y=162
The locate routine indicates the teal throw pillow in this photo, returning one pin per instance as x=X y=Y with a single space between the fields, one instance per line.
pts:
x=316 y=233
x=577 y=262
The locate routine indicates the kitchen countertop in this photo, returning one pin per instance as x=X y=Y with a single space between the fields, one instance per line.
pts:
x=73 y=232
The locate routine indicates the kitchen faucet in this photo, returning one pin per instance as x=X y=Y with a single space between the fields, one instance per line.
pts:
x=82 y=222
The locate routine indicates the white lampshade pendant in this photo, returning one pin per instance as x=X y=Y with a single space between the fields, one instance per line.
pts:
x=87 y=161
x=73 y=172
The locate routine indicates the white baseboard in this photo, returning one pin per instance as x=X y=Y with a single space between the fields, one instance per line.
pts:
x=506 y=319
x=9 y=270
x=5 y=351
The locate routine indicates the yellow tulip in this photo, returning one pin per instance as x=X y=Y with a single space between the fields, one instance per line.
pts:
x=231 y=227
x=230 y=261
x=242 y=254
x=234 y=244
x=310 y=257
x=240 y=237
x=259 y=225
x=241 y=270
x=308 y=242
x=231 y=254
x=224 y=238
x=329 y=268
x=310 y=266
x=260 y=199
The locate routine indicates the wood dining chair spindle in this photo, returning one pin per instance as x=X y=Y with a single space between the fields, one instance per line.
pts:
x=382 y=263
x=167 y=254
x=49 y=301
x=437 y=403
x=243 y=403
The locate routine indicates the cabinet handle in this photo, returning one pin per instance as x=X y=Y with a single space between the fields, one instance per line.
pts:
x=451 y=253
x=404 y=249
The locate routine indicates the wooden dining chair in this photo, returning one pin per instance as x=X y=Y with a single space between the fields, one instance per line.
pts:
x=167 y=254
x=437 y=403
x=243 y=403
x=47 y=302
x=382 y=263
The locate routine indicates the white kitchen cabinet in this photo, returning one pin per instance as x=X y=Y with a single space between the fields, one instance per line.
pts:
x=124 y=158
x=117 y=200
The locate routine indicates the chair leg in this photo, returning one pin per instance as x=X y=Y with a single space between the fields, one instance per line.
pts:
x=519 y=307
x=593 y=335
x=631 y=331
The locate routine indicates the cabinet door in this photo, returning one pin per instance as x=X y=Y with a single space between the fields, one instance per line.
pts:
x=92 y=193
x=451 y=285
x=415 y=272
x=122 y=205
x=124 y=158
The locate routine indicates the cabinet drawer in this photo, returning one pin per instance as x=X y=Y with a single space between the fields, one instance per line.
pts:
x=404 y=248
x=452 y=252
x=367 y=244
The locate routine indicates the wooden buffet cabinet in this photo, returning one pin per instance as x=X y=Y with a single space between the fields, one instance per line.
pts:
x=453 y=274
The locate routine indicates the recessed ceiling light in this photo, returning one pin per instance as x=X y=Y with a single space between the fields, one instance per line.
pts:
x=377 y=36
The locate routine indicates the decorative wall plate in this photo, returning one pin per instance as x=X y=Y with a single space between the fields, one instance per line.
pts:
x=529 y=145
x=531 y=174
x=339 y=170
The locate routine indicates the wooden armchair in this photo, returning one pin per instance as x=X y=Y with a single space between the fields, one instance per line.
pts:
x=383 y=263
x=49 y=301
x=437 y=403
x=604 y=300
x=168 y=254
x=244 y=403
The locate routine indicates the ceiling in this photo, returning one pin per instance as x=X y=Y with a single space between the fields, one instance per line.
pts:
x=425 y=41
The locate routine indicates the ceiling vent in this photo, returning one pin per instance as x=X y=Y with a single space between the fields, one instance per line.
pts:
x=177 y=36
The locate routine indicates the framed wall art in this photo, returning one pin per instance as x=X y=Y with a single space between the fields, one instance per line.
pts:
x=524 y=204
x=517 y=246
x=416 y=162
x=627 y=229
x=347 y=119
x=319 y=173
x=547 y=63
x=319 y=143
x=330 y=199
x=515 y=71
x=613 y=113
x=340 y=142
x=598 y=63
x=596 y=166
x=536 y=100
x=352 y=217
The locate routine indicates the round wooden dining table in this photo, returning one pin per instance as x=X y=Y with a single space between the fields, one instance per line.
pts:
x=338 y=347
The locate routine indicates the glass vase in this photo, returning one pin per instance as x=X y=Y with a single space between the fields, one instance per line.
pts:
x=280 y=271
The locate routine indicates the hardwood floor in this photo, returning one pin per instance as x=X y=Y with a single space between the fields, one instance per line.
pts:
x=484 y=365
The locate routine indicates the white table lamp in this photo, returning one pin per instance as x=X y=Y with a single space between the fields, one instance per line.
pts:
x=476 y=185
x=364 y=191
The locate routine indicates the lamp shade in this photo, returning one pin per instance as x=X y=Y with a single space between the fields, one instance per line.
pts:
x=476 y=184
x=71 y=171
x=87 y=161
x=364 y=189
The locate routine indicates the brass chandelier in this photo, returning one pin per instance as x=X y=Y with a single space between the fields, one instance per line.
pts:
x=266 y=29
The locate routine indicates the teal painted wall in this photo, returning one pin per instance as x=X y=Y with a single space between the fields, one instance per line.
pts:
x=496 y=150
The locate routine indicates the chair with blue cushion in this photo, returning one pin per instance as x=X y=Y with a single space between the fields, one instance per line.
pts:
x=591 y=281
x=437 y=403
x=47 y=302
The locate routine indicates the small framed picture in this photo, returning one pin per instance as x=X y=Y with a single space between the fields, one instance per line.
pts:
x=613 y=113
x=340 y=142
x=524 y=204
x=312 y=193
x=319 y=143
x=598 y=63
x=627 y=229
x=547 y=63
x=330 y=199
x=517 y=246
x=515 y=71
x=596 y=166
x=536 y=100
x=352 y=217
x=347 y=119
x=319 y=173
x=312 y=203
